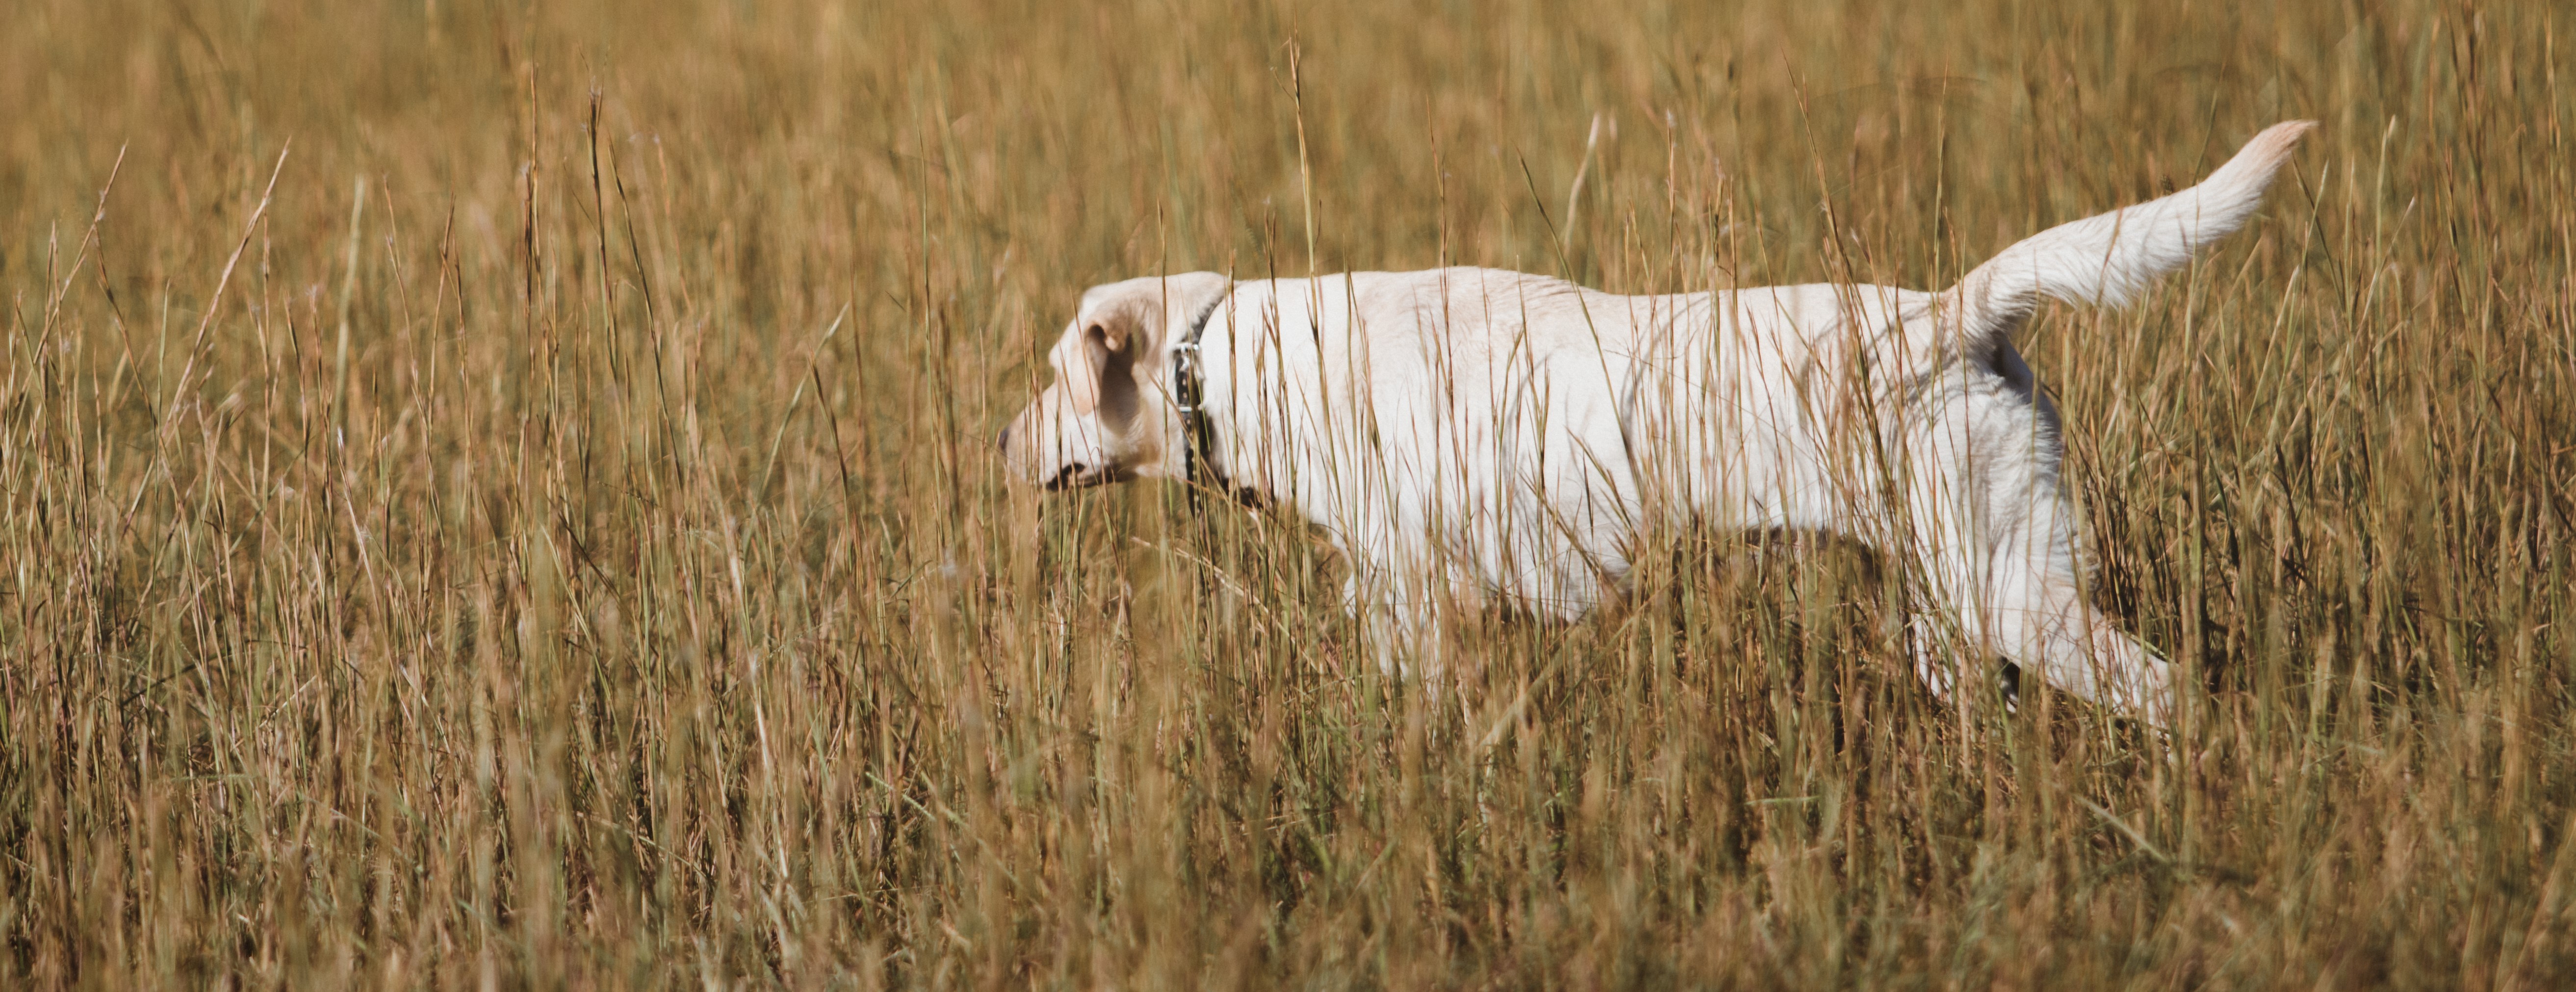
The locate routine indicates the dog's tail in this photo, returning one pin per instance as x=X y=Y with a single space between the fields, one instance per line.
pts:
x=2109 y=258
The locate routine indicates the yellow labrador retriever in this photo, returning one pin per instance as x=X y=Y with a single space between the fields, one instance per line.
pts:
x=1471 y=435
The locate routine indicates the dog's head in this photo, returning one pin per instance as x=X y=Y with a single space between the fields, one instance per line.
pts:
x=1110 y=415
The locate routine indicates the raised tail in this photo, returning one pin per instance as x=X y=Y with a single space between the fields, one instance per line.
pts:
x=2109 y=258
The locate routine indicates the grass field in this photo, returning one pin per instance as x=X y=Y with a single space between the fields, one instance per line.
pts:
x=503 y=494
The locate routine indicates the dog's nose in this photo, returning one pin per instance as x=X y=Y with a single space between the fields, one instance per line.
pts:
x=1004 y=442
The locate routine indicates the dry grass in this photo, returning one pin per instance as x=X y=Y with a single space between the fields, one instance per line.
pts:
x=564 y=555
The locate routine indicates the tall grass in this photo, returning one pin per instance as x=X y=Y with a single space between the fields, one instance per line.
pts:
x=504 y=494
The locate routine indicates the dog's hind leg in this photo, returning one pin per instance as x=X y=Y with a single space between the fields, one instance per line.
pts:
x=2038 y=617
x=1995 y=539
x=2033 y=607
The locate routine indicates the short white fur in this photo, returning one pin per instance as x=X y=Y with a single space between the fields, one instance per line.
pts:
x=1473 y=435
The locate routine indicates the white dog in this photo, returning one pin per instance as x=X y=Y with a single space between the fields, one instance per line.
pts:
x=1471 y=435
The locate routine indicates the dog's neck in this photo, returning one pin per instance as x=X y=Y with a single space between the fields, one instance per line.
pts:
x=1198 y=430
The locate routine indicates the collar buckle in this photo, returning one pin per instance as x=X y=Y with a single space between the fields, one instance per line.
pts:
x=1189 y=388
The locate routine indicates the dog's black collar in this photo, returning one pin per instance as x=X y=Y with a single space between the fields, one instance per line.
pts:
x=1189 y=390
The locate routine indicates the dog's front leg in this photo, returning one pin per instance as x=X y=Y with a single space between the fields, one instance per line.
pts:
x=1400 y=632
x=1402 y=628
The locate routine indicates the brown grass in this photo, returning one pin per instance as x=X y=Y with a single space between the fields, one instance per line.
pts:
x=568 y=550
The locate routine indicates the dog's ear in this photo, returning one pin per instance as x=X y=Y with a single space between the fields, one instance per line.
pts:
x=1123 y=327
x=1137 y=315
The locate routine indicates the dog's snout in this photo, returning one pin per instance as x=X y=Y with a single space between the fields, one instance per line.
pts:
x=1071 y=475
